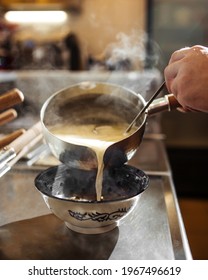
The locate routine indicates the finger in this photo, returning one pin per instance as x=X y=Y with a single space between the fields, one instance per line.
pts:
x=190 y=109
x=187 y=109
x=183 y=110
x=174 y=88
x=171 y=71
x=179 y=54
x=170 y=74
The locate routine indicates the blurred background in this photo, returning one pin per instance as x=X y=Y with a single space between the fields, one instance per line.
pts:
x=119 y=36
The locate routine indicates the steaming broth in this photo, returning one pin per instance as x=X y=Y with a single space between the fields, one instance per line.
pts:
x=98 y=138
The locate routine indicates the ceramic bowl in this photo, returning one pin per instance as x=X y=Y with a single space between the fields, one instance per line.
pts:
x=70 y=194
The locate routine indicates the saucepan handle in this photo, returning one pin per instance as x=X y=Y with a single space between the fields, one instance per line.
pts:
x=166 y=103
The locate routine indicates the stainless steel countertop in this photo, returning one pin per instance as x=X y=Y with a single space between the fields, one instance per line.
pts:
x=154 y=230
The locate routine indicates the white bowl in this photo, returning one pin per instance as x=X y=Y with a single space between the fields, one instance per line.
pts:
x=70 y=194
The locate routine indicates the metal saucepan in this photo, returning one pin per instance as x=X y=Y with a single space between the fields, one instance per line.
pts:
x=100 y=104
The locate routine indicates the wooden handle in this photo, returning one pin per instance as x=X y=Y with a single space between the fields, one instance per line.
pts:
x=7 y=139
x=173 y=102
x=165 y=103
x=19 y=143
x=10 y=98
x=7 y=116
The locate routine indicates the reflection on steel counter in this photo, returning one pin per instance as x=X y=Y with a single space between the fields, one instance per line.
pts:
x=46 y=237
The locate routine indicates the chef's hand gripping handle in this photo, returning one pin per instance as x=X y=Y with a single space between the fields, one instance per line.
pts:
x=166 y=103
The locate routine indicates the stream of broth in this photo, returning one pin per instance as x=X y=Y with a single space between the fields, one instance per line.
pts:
x=98 y=138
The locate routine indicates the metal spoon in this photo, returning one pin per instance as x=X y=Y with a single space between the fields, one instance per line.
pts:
x=145 y=107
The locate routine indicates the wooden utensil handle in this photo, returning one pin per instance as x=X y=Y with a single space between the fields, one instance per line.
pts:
x=173 y=102
x=19 y=143
x=10 y=98
x=7 y=116
x=7 y=139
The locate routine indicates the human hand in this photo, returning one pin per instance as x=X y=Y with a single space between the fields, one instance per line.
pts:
x=186 y=77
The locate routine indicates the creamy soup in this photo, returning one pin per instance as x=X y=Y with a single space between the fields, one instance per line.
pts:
x=98 y=138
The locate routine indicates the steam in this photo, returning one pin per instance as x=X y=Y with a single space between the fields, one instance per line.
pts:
x=130 y=52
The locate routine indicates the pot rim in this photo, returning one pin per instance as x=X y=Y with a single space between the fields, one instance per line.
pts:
x=91 y=201
x=94 y=84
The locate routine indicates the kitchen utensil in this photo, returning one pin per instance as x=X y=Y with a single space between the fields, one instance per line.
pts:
x=145 y=107
x=35 y=151
x=70 y=194
x=7 y=116
x=7 y=139
x=8 y=166
x=10 y=98
x=11 y=150
x=100 y=104
x=41 y=152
